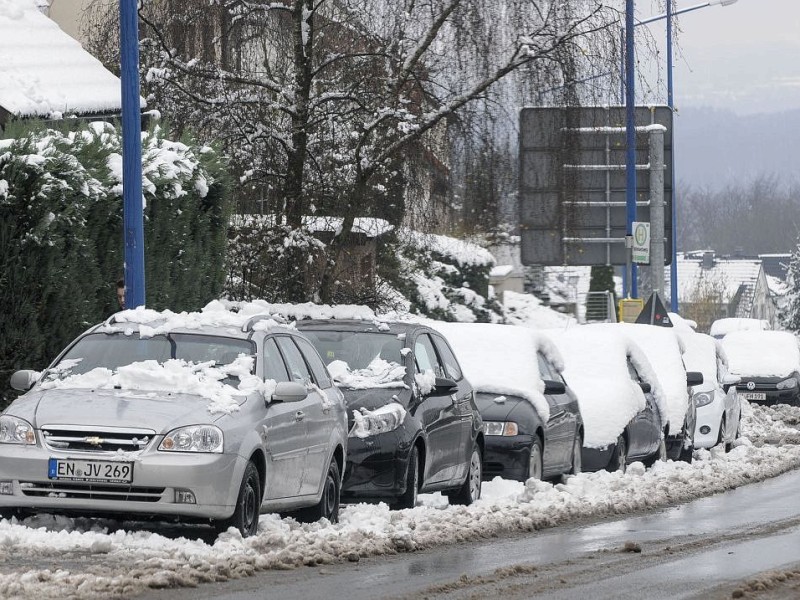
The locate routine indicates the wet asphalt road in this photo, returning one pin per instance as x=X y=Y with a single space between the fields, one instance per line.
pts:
x=690 y=551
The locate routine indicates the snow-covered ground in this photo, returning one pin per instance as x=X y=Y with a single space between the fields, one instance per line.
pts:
x=123 y=562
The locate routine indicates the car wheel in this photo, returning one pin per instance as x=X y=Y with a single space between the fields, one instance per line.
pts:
x=660 y=455
x=535 y=466
x=409 y=498
x=686 y=454
x=470 y=491
x=619 y=457
x=722 y=439
x=248 y=504
x=328 y=505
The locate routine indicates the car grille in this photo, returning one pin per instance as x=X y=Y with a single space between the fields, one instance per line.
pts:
x=95 y=439
x=760 y=387
x=91 y=491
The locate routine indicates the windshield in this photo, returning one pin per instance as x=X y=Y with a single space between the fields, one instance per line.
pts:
x=361 y=359
x=111 y=351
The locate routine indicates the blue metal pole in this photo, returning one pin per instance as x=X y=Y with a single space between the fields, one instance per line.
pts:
x=133 y=218
x=630 y=133
x=673 y=268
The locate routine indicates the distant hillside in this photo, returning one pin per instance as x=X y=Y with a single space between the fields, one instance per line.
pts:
x=717 y=147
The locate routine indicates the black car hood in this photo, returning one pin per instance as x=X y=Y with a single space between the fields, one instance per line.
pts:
x=492 y=410
x=372 y=398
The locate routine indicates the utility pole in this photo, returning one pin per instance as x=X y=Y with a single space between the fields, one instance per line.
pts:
x=630 y=137
x=133 y=210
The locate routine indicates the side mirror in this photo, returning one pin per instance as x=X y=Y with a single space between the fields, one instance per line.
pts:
x=693 y=378
x=289 y=391
x=554 y=387
x=22 y=381
x=729 y=380
x=444 y=385
x=646 y=387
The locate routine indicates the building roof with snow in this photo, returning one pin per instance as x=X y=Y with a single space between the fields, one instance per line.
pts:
x=46 y=73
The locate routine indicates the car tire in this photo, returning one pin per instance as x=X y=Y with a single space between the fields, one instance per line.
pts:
x=723 y=433
x=619 y=457
x=409 y=497
x=660 y=455
x=535 y=460
x=248 y=505
x=470 y=490
x=687 y=454
x=328 y=505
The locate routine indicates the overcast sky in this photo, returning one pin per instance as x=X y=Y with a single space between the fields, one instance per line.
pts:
x=745 y=57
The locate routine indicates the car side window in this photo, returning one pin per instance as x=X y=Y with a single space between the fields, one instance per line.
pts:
x=298 y=369
x=545 y=370
x=315 y=362
x=274 y=367
x=425 y=356
x=449 y=359
x=633 y=372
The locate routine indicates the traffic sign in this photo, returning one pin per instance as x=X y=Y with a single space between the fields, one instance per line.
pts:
x=641 y=243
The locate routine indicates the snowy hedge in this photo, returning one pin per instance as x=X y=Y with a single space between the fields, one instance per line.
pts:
x=61 y=248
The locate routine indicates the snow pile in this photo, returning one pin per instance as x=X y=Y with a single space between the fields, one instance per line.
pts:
x=127 y=563
x=459 y=251
x=527 y=310
x=378 y=374
x=595 y=359
x=175 y=376
x=663 y=349
x=501 y=359
x=762 y=353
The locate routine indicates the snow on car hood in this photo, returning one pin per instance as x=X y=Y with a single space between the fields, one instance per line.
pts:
x=762 y=353
x=116 y=408
x=501 y=359
x=596 y=369
x=172 y=376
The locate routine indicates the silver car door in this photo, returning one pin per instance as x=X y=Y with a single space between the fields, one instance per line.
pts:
x=283 y=432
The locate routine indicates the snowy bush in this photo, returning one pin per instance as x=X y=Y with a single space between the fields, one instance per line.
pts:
x=61 y=245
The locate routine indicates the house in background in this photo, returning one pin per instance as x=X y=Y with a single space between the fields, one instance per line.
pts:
x=711 y=287
x=47 y=74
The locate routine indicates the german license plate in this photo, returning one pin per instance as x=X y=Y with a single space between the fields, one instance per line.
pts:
x=90 y=470
x=754 y=395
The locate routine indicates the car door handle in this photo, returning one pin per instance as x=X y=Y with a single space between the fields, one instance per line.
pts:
x=299 y=415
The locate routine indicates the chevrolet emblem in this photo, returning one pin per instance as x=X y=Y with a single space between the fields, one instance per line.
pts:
x=94 y=441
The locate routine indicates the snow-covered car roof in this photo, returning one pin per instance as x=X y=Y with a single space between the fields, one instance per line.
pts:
x=595 y=360
x=762 y=353
x=501 y=359
x=722 y=327
x=664 y=350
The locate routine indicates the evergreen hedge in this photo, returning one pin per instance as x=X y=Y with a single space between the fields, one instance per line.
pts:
x=61 y=246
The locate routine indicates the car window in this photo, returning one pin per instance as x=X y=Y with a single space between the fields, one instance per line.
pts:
x=298 y=369
x=545 y=370
x=448 y=358
x=425 y=356
x=633 y=372
x=315 y=362
x=274 y=367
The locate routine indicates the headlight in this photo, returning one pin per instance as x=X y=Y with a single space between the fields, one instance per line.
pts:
x=787 y=384
x=16 y=431
x=702 y=399
x=194 y=438
x=381 y=420
x=500 y=428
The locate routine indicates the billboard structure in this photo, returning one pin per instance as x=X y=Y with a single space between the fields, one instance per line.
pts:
x=572 y=187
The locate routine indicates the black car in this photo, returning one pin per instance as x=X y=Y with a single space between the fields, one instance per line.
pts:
x=506 y=365
x=642 y=439
x=414 y=425
x=770 y=390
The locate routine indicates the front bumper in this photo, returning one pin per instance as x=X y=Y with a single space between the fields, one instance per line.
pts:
x=376 y=467
x=213 y=479
x=506 y=456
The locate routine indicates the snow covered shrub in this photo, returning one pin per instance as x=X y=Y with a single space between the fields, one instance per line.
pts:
x=61 y=245
x=445 y=278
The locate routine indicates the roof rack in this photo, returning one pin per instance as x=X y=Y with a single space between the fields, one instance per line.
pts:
x=253 y=320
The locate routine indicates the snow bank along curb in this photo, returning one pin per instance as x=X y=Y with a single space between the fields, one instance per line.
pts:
x=128 y=562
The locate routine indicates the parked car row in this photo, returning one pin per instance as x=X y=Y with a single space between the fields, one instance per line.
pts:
x=215 y=417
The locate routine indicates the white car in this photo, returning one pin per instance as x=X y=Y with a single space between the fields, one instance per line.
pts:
x=716 y=400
